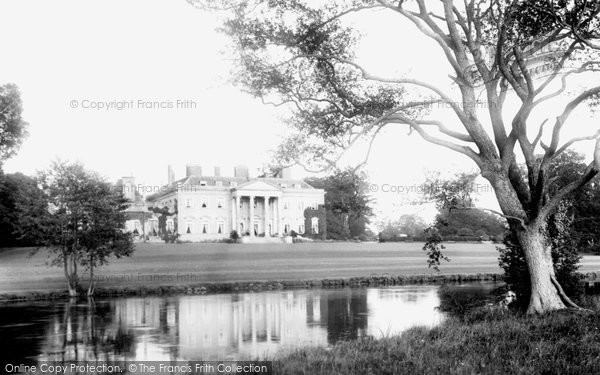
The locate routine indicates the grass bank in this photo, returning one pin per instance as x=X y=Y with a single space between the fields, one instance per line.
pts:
x=255 y=286
x=485 y=341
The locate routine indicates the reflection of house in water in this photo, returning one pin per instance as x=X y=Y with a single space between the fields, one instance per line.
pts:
x=247 y=325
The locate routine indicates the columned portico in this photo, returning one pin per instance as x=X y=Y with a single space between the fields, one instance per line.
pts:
x=268 y=217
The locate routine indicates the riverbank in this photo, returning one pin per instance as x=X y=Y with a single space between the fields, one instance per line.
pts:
x=257 y=286
x=486 y=341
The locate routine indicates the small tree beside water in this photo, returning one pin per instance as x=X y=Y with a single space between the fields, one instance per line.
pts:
x=84 y=225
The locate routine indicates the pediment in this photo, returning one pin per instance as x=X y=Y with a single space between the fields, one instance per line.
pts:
x=257 y=186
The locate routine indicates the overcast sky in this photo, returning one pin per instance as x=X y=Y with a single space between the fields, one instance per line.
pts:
x=68 y=57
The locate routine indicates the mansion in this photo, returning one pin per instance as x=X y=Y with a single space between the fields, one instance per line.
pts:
x=200 y=207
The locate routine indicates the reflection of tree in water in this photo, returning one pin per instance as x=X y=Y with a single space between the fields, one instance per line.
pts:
x=87 y=331
x=346 y=313
x=22 y=330
x=459 y=299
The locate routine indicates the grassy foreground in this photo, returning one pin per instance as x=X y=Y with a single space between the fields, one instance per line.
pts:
x=488 y=340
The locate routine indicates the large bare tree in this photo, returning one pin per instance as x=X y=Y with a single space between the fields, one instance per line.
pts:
x=302 y=54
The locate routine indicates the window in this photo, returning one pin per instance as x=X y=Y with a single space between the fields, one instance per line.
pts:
x=204 y=227
x=286 y=228
x=314 y=225
x=188 y=203
x=220 y=203
x=301 y=228
x=170 y=226
x=204 y=202
x=203 y=183
x=283 y=185
x=220 y=227
x=188 y=227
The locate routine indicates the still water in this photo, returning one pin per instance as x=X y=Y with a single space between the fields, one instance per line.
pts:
x=211 y=327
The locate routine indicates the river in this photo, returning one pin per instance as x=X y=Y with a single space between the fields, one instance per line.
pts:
x=236 y=326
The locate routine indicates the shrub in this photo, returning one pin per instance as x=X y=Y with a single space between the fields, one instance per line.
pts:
x=465 y=232
x=234 y=236
x=480 y=233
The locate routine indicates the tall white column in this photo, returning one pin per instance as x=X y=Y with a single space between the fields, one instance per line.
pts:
x=232 y=212
x=238 y=215
x=251 y=224
x=267 y=234
x=278 y=219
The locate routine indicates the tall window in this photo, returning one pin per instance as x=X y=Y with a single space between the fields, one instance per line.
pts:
x=220 y=203
x=204 y=202
x=188 y=203
x=220 y=227
x=204 y=227
x=314 y=225
x=188 y=227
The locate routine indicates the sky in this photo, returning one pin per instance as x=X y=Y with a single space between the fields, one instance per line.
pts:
x=130 y=87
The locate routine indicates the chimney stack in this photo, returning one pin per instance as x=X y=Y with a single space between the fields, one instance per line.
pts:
x=170 y=175
x=193 y=170
x=240 y=171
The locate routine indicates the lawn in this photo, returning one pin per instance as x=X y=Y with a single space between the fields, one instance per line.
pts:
x=180 y=264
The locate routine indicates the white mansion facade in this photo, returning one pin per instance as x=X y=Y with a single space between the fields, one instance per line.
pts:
x=210 y=207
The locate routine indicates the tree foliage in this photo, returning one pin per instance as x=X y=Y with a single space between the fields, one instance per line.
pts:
x=22 y=207
x=408 y=224
x=13 y=129
x=347 y=202
x=475 y=221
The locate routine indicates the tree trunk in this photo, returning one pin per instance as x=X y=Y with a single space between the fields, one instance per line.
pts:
x=90 y=291
x=544 y=295
x=68 y=275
